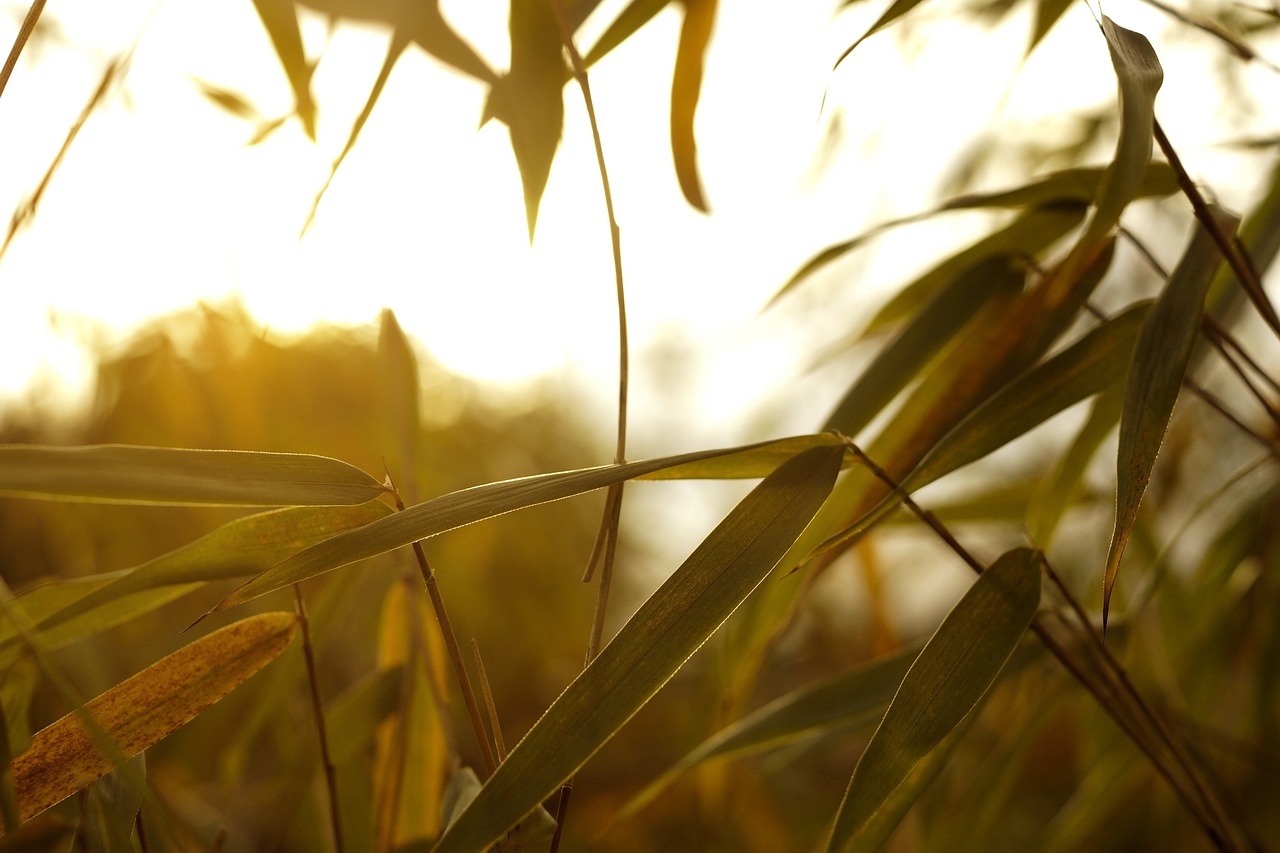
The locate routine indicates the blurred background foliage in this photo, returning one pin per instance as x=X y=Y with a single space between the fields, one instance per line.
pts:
x=1039 y=766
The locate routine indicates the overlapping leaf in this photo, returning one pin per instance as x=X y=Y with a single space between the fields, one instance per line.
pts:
x=954 y=670
x=63 y=757
x=116 y=473
x=67 y=611
x=654 y=643
x=457 y=509
x=1159 y=365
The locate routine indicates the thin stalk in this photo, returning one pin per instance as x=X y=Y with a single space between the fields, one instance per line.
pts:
x=1230 y=246
x=1221 y=408
x=1114 y=691
x=317 y=710
x=498 y=743
x=19 y=42
x=607 y=539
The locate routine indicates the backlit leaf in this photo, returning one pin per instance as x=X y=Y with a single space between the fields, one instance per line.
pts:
x=117 y=473
x=629 y=20
x=68 y=611
x=281 y=22
x=144 y=709
x=648 y=650
x=955 y=669
x=686 y=85
x=1155 y=376
x=453 y=510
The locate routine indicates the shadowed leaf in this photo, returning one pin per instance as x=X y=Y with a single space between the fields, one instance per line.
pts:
x=146 y=708
x=686 y=85
x=456 y=509
x=648 y=650
x=117 y=473
x=1155 y=376
x=838 y=703
x=954 y=670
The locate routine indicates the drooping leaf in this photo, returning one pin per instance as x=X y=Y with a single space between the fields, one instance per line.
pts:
x=1159 y=365
x=896 y=10
x=686 y=85
x=144 y=709
x=834 y=704
x=447 y=512
x=529 y=98
x=117 y=473
x=68 y=611
x=281 y=22
x=926 y=334
x=955 y=669
x=654 y=643
x=1139 y=75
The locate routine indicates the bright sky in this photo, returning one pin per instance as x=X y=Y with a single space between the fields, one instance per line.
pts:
x=160 y=203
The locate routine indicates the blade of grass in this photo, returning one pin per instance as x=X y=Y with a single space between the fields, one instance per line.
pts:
x=117 y=473
x=955 y=669
x=654 y=643
x=146 y=708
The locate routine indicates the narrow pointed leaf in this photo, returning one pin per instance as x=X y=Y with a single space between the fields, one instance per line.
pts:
x=68 y=611
x=450 y=511
x=1159 y=365
x=838 y=703
x=926 y=334
x=751 y=464
x=1139 y=75
x=281 y=22
x=953 y=672
x=117 y=473
x=629 y=20
x=139 y=712
x=686 y=86
x=1092 y=364
x=895 y=11
x=529 y=99
x=648 y=650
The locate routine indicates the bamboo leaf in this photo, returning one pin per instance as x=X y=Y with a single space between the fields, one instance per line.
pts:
x=68 y=611
x=456 y=509
x=925 y=335
x=1090 y=365
x=956 y=668
x=1139 y=75
x=281 y=22
x=629 y=20
x=750 y=464
x=1048 y=12
x=839 y=703
x=529 y=99
x=352 y=719
x=1159 y=365
x=895 y=11
x=686 y=85
x=648 y=650
x=144 y=709
x=117 y=473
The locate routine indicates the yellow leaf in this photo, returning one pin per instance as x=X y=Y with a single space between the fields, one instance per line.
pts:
x=140 y=711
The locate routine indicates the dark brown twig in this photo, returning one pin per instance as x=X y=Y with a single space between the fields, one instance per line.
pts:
x=317 y=710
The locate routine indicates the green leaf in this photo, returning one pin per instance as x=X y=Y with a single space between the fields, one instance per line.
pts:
x=686 y=85
x=926 y=333
x=836 y=704
x=1139 y=75
x=1090 y=365
x=144 y=709
x=117 y=473
x=447 y=512
x=648 y=650
x=68 y=611
x=1159 y=365
x=749 y=464
x=956 y=668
